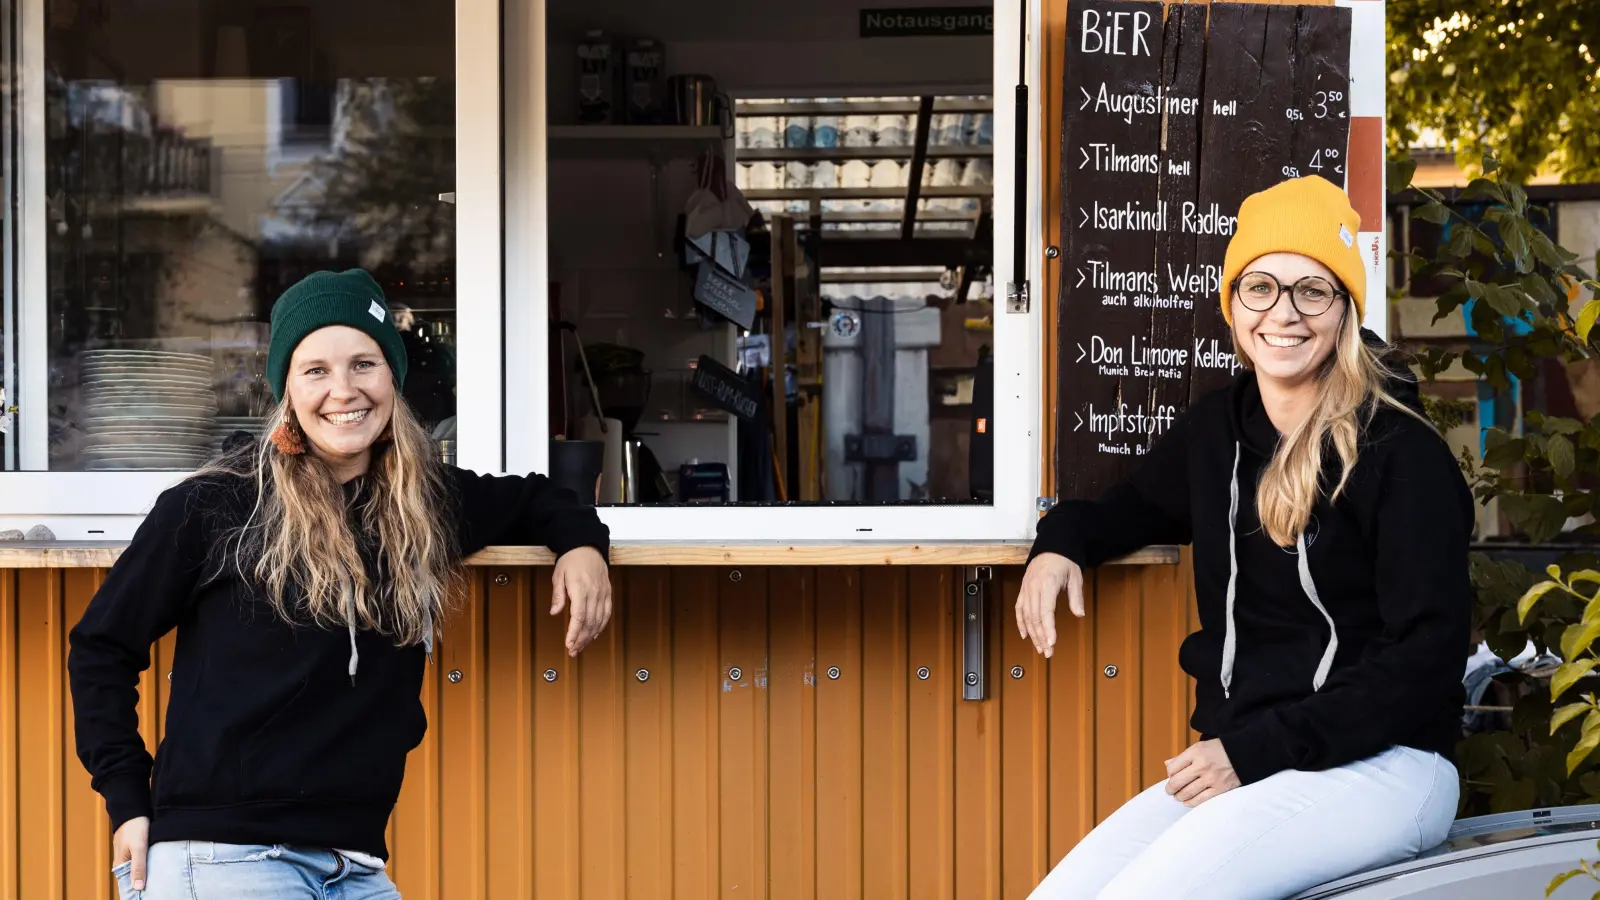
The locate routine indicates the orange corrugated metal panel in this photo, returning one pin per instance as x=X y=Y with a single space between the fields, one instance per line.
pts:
x=839 y=806
x=783 y=782
x=930 y=723
x=883 y=733
x=792 y=732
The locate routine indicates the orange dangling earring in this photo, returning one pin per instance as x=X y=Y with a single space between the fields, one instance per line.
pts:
x=286 y=437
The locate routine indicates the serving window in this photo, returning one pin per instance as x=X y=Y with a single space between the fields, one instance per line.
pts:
x=769 y=260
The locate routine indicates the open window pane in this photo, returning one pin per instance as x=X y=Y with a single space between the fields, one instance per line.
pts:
x=783 y=295
x=196 y=160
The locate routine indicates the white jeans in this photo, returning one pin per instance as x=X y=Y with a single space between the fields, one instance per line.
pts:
x=1264 y=841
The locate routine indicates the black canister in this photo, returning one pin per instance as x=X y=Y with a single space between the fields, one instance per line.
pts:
x=576 y=466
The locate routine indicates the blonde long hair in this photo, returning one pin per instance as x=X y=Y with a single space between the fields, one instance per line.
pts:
x=300 y=542
x=1350 y=390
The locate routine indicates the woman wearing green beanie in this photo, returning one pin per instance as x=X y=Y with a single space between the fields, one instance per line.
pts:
x=305 y=575
x=1330 y=526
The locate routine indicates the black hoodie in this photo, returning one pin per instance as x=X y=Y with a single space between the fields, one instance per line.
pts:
x=1386 y=565
x=273 y=734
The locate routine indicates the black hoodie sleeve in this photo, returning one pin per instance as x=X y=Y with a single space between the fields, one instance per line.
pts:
x=1150 y=507
x=524 y=511
x=1421 y=525
x=144 y=595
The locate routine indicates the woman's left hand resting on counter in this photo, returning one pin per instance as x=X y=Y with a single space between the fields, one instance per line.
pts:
x=582 y=579
x=1046 y=577
x=1199 y=773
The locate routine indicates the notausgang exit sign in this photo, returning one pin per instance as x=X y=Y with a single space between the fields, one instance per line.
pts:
x=928 y=21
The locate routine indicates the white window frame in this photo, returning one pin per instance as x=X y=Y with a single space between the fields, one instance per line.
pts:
x=109 y=505
x=1017 y=413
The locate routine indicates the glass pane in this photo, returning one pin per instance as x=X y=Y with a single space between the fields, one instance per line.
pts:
x=200 y=159
x=822 y=350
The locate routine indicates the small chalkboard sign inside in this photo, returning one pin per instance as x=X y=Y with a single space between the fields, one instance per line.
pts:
x=727 y=389
x=727 y=297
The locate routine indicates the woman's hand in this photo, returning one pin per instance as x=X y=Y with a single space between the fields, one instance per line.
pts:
x=582 y=578
x=1042 y=583
x=132 y=841
x=1199 y=773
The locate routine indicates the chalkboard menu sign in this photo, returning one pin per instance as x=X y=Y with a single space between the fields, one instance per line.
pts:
x=1166 y=128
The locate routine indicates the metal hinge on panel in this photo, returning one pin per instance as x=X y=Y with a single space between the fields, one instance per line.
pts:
x=1046 y=503
x=974 y=633
x=1018 y=296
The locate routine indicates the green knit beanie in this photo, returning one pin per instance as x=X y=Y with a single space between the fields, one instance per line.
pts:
x=321 y=299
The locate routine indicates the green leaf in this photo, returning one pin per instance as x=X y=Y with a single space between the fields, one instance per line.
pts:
x=1490 y=164
x=1567 y=713
x=1584 y=576
x=1513 y=796
x=1567 y=675
x=1578 y=638
x=1559 y=425
x=1507 y=454
x=1559 y=880
x=1518 y=198
x=1515 y=235
x=1586 y=319
x=1506 y=302
x=1533 y=596
x=1461 y=244
x=1562 y=455
x=1545 y=250
x=1539 y=289
x=1484 y=189
x=1586 y=743
x=1432 y=211
x=1400 y=172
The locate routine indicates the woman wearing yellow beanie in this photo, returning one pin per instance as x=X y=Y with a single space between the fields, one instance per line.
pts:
x=1329 y=526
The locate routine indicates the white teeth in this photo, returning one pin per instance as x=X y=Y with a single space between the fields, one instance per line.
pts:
x=349 y=418
x=1280 y=341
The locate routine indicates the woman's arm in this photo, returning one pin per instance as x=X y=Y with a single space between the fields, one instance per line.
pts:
x=1150 y=507
x=143 y=597
x=1421 y=528
x=524 y=510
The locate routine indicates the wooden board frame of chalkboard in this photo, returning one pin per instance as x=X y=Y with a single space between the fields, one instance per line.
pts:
x=1120 y=372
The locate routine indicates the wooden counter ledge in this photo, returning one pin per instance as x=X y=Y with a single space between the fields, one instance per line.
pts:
x=101 y=554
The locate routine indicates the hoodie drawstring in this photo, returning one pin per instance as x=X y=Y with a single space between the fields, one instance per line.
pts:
x=1230 y=639
x=350 y=618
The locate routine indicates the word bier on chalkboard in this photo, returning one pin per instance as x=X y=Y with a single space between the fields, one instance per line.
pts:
x=1165 y=131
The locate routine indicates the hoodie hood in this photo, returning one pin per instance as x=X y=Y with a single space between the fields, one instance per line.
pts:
x=1253 y=429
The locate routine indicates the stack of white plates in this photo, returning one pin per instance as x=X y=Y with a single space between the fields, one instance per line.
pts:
x=147 y=410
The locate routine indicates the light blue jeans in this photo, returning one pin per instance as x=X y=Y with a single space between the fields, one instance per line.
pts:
x=202 y=870
x=1264 y=841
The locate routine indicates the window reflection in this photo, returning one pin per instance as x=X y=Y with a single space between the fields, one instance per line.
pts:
x=197 y=162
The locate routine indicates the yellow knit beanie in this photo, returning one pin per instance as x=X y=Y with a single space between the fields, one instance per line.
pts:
x=1309 y=216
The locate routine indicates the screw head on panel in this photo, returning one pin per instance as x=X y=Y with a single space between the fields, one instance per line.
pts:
x=1111 y=671
x=642 y=675
x=735 y=673
x=550 y=675
x=735 y=575
x=922 y=673
x=1016 y=672
x=972 y=589
x=1052 y=251
x=972 y=678
x=833 y=673
x=454 y=676
x=502 y=579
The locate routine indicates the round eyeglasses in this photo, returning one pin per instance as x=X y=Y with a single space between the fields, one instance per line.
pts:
x=1311 y=296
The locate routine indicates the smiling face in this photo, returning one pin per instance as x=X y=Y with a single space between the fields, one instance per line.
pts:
x=1282 y=343
x=342 y=393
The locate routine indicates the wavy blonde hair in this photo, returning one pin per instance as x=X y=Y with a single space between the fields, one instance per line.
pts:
x=301 y=544
x=1350 y=390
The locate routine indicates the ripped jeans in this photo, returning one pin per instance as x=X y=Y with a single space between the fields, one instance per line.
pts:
x=202 y=870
